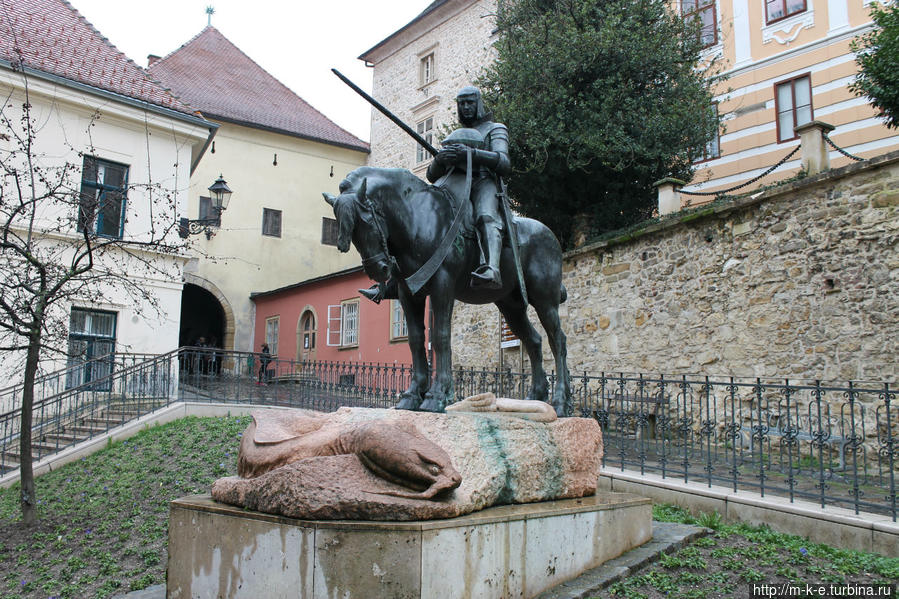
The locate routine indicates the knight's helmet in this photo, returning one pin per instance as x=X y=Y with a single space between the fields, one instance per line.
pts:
x=466 y=137
x=469 y=92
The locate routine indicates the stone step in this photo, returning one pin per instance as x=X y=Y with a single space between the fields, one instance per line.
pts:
x=65 y=438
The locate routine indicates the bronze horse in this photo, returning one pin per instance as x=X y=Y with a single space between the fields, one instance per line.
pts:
x=397 y=221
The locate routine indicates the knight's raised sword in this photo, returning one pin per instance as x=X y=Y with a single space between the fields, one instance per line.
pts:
x=396 y=121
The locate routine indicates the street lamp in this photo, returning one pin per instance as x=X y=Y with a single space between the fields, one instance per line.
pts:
x=219 y=196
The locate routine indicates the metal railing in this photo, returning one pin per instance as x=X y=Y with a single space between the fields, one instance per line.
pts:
x=75 y=375
x=831 y=443
x=78 y=413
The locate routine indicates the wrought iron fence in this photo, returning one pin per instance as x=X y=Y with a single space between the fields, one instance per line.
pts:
x=77 y=413
x=95 y=370
x=831 y=443
x=827 y=443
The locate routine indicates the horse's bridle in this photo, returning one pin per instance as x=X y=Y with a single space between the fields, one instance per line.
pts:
x=370 y=213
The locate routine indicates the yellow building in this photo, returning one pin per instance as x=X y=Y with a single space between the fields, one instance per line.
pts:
x=277 y=154
x=788 y=62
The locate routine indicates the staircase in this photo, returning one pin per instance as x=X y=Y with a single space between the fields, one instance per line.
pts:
x=67 y=418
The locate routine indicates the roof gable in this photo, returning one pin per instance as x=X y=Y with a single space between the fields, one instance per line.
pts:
x=53 y=37
x=214 y=75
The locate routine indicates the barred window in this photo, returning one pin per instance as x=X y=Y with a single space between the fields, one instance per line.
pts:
x=92 y=337
x=272 y=332
x=343 y=324
x=398 y=328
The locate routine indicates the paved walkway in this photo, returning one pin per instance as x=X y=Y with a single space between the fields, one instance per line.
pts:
x=666 y=536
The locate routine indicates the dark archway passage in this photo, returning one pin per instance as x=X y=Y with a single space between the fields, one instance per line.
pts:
x=201 y=316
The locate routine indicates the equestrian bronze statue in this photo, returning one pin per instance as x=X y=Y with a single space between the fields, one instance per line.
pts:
x=445 y=241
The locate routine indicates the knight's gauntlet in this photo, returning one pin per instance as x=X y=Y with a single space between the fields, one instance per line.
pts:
x=486 y=158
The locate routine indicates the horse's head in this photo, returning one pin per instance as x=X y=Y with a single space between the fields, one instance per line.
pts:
x=359 y=221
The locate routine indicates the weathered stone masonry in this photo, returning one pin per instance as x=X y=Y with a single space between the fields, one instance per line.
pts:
x=801 y=281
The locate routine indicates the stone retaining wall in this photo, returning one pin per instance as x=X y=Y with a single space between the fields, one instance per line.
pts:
x=801 y=281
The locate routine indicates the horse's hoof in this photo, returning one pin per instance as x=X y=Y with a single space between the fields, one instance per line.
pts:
x=408 y=403
x=563 y=409
x=432 y=405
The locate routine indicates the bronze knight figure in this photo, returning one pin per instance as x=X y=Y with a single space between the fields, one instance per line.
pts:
x=489 y=164
x=423 y=242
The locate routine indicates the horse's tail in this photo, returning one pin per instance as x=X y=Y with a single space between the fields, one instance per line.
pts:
x=564 y=294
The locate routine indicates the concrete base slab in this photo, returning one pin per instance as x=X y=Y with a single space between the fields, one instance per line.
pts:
x=509 y=551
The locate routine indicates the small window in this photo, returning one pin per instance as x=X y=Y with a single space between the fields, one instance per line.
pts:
x=207 y=212
x=704 y=12
x=271 y=222
x=307 y=326
x=343 y=324
x=776 y=10
x=102 y=201
x=426 y=130
x=793 y=103
x=329 y=231
x=398 y=329
x=713 y=148
x=426 y=72
x=92 y=337
x=272 y=326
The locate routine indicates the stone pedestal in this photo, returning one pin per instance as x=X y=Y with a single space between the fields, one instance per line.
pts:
x=220 y=551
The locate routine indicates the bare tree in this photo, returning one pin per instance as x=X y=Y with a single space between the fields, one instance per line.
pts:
x=66 y=236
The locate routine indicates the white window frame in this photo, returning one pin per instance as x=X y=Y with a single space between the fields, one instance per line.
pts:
x=696 y=13
x=784 y=134
x=398 y=327
x=427 y=68
x=272 y=332
x=343 y=324
x=425 y=128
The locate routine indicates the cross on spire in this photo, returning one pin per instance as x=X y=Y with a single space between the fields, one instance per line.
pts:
x=210 y=10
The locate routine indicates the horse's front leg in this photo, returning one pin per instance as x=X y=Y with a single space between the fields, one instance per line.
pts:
x=442 y=391
x=414 y=309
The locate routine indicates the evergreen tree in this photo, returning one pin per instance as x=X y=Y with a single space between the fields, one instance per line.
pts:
x=602 y=98
x=878 y=62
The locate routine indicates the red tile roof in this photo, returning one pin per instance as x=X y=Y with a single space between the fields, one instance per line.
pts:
x=51 y=36
x=211 y=73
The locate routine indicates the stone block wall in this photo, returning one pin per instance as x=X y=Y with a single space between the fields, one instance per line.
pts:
x=800 y=282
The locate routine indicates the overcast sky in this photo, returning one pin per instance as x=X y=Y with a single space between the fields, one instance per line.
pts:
x=297 y=41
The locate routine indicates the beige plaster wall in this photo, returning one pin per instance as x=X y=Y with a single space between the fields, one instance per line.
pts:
x=239 y=260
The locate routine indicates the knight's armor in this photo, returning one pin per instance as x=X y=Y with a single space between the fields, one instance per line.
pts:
x=490 y=162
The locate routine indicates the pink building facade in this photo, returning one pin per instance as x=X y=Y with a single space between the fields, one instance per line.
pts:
x=326 y=319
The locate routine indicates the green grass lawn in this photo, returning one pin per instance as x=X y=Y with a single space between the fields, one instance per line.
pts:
x=104 y=521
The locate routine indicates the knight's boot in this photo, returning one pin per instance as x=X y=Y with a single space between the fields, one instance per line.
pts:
x=381 y=291
x=486 y=276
